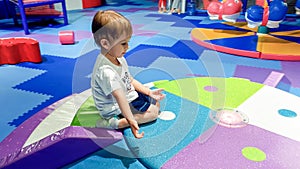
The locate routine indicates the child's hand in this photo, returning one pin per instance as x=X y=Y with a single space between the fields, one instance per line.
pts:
x=156 y=94
x=135 y=129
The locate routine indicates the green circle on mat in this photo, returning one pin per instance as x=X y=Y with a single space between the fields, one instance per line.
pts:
x=254 y=154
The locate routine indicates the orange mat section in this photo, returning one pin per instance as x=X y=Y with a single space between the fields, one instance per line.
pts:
x=281 y=45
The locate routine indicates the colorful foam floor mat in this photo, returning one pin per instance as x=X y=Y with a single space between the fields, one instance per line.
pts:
x=196 y=79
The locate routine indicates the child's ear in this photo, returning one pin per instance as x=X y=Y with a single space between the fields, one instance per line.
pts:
x=105 y=44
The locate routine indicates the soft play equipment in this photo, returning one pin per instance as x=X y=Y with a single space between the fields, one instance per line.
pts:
x=57 y=135
x=228 y=10
x=90 y=3
x=239 y=39
x=221 y=123
x=200 y=116
x=269 y=15
x=16 y=50
x=37 y=8
x=66 y=37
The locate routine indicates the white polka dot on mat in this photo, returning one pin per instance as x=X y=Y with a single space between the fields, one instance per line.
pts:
x=166 y=115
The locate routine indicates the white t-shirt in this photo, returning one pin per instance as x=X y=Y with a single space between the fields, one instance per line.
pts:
x=106 y=78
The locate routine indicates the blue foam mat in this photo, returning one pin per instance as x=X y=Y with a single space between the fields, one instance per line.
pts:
x=12 y=106
x=249 y=42
x=163 y=139
x=116 y=156
x=67 y=51
x=45 y=89
x=10 y=75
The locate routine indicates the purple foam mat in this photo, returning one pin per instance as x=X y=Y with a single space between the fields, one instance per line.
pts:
x=61 y=148
x=289 y=70
x=15 y=140
x=224 y=147
x=262 y=73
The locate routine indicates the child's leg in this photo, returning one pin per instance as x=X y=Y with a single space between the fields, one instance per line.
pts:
x=160 y=5
x=150 y=115
x=175 y=4
x=164 y=5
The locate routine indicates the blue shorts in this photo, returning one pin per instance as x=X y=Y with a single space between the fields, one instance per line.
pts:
x=142 y=103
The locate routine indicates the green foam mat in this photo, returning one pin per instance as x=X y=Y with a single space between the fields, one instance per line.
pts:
x=87 y=115
x=212 y=92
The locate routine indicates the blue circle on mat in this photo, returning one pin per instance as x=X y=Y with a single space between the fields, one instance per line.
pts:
x=287 y=113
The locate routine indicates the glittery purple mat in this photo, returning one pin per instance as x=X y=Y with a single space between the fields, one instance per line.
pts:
x=224 y=150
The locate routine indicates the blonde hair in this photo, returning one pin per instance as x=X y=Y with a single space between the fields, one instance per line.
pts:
x=110 y=25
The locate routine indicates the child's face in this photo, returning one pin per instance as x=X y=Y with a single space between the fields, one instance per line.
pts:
x=120 y=48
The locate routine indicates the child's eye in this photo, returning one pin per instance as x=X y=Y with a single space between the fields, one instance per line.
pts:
x=124 y=43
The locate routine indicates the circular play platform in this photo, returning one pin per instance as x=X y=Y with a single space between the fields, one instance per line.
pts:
x=237 y=38
x=227 y=127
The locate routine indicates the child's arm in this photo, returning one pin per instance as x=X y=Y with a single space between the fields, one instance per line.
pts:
x=126 y=112
x=155 y=94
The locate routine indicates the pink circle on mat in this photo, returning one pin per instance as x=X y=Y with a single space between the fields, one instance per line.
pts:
x=211 y=88
x=229 y=118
